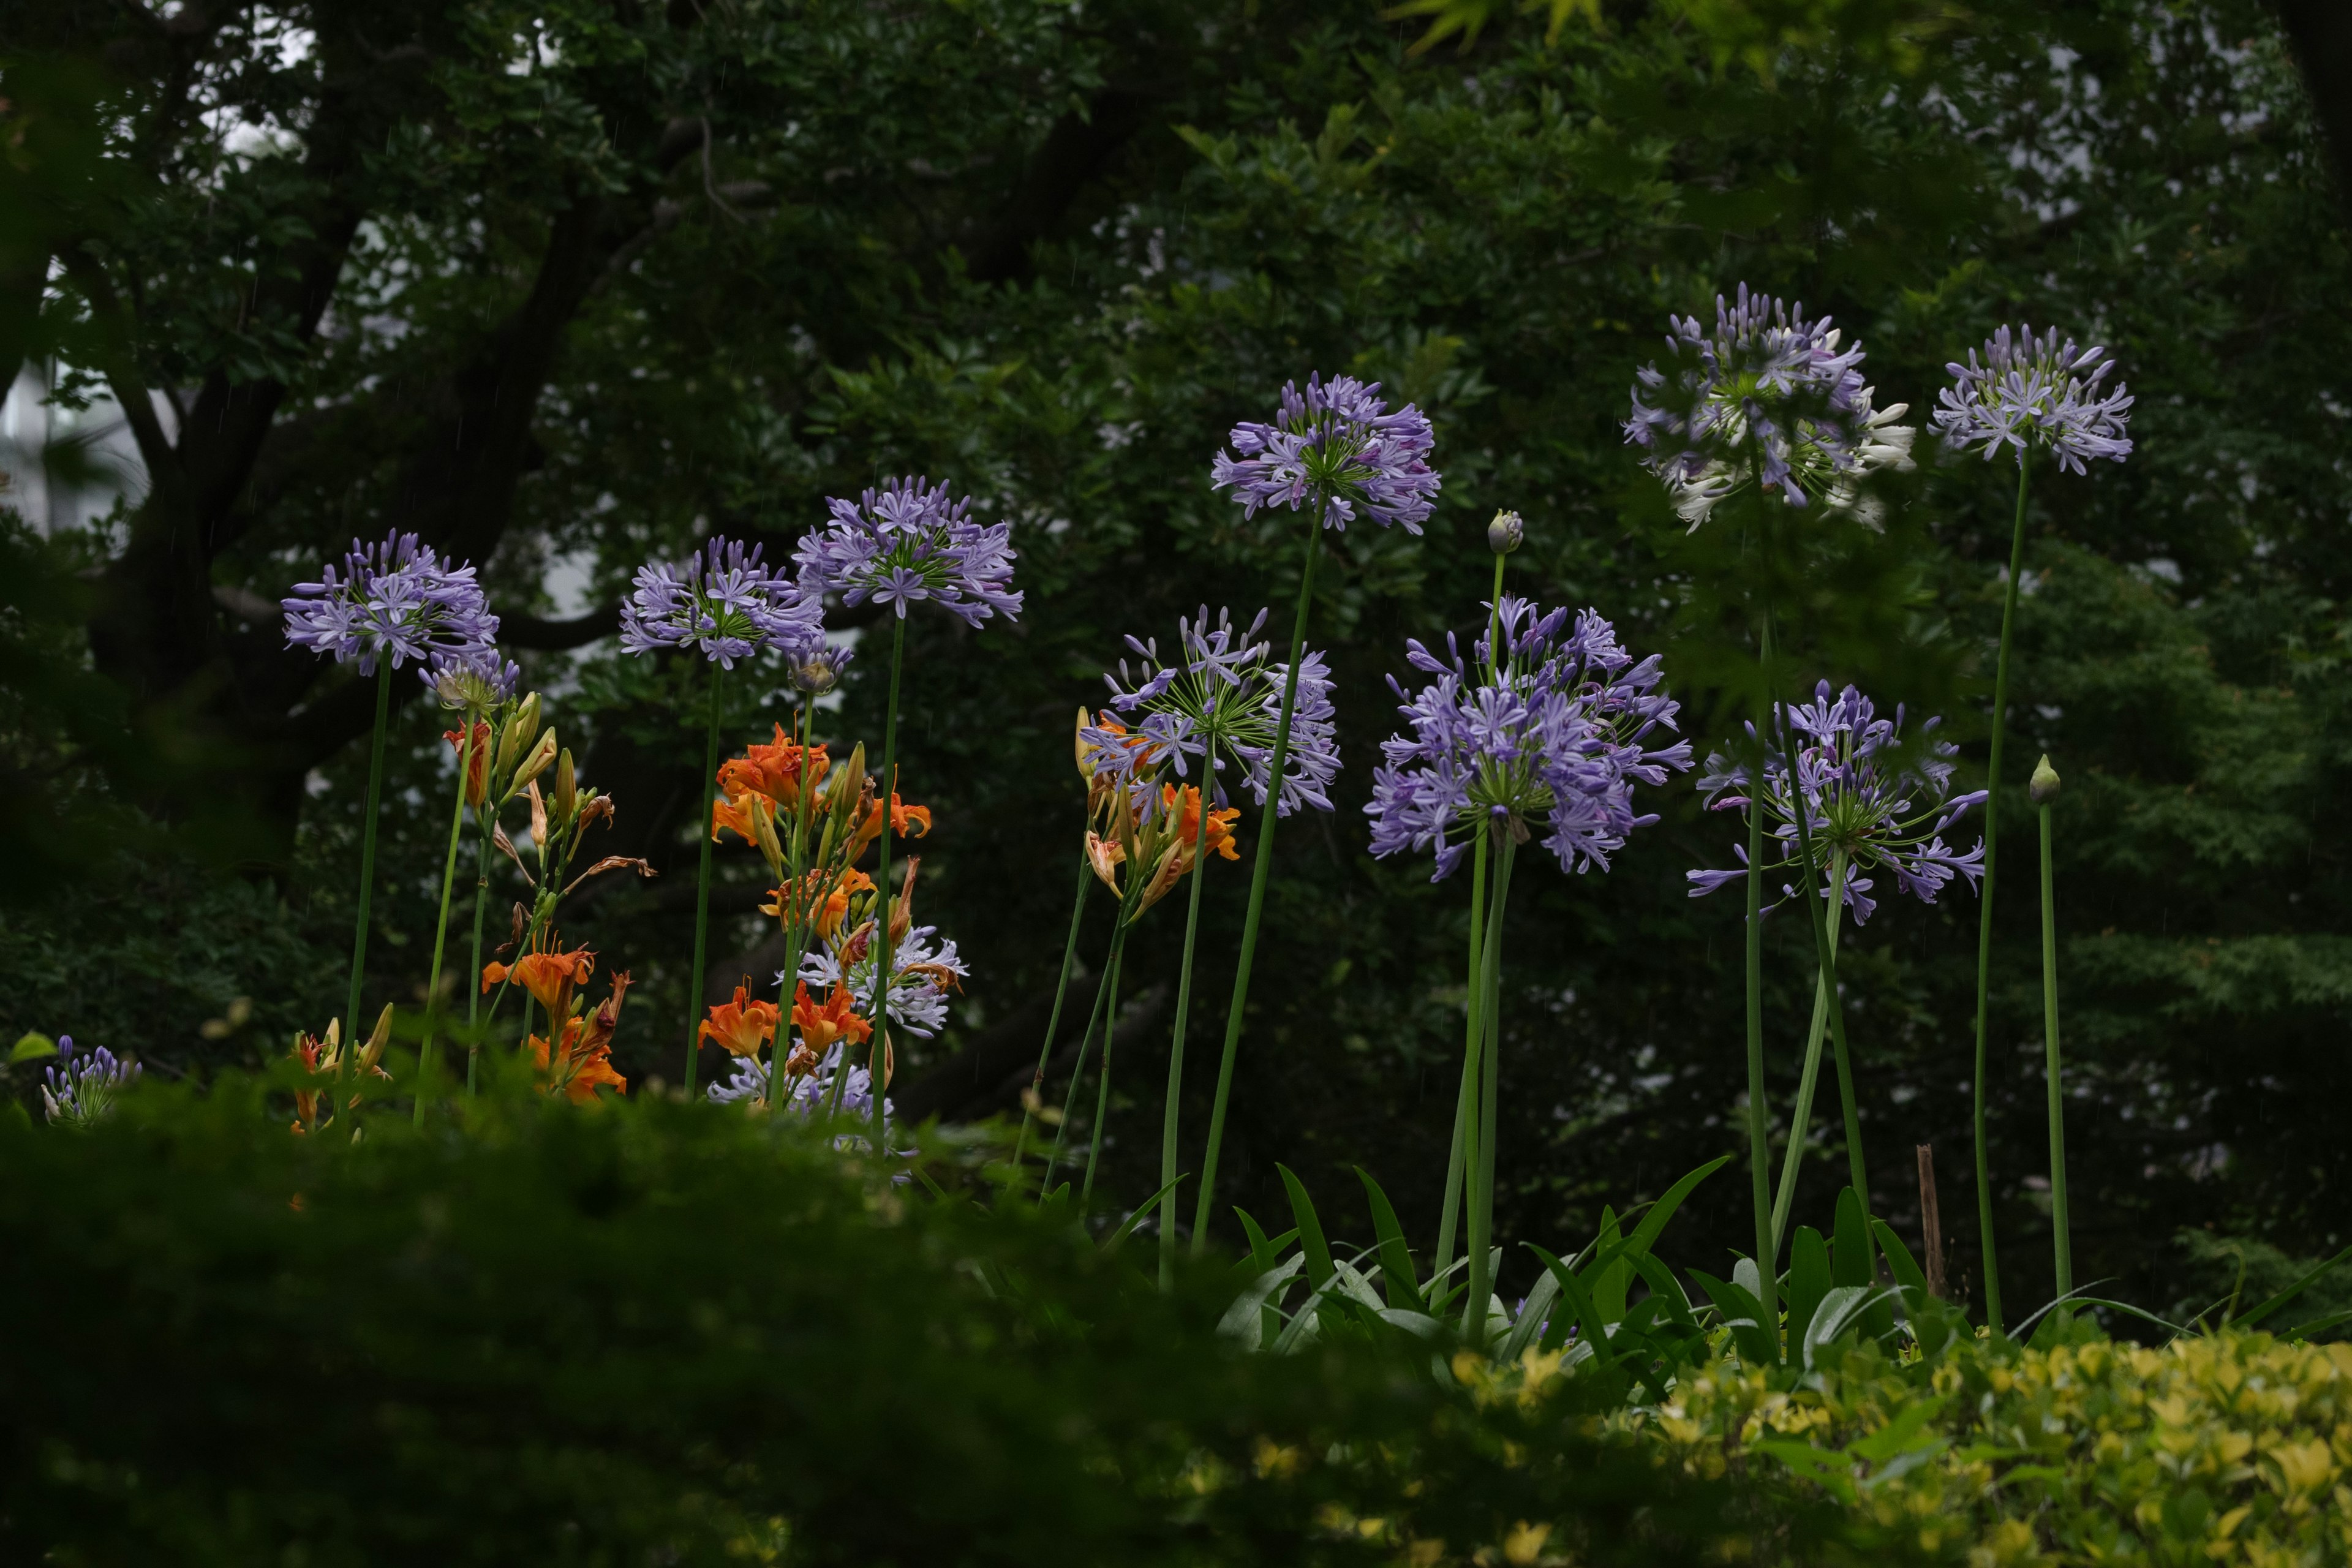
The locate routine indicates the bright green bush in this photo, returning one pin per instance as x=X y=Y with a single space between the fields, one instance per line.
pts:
x=645 y=1333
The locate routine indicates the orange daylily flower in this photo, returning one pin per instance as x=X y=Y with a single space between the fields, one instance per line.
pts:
x=741 y=1026
x=477 y=770
x=1104 y=790
x=837 y=1019
x=1169 y=844
x=585 y=1061
x=548 y=975
x=738 y=811
x=831 y=907
x=1188 y=823
x=778 y=771
x=906 y=822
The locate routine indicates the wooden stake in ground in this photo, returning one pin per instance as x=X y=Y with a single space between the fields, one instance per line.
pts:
x=1931 y=1221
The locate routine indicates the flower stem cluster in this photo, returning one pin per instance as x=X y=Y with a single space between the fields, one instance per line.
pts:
x=328 y=1075
x=1870 y=801
x=1555 y=727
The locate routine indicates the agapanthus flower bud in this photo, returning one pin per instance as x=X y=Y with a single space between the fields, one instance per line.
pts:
x=473 y=680
x=2044 y=785
x=820 y=672
x=1506 y=534
x=80 y=1088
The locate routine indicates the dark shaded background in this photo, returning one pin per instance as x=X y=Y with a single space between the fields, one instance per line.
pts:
x=574 y=285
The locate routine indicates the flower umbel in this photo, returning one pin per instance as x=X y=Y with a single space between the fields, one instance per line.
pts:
x=1870 y=799
x=723 y=602
x=2029 y=391
x=909 y=542
x=1337 y=440
x=82 y=1084
x=1559 y=735
x=1766 y=397
x=1218 y=701
x=397 y=598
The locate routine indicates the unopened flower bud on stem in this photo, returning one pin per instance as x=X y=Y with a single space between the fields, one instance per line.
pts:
x=1506 y=534
x=2044 y=785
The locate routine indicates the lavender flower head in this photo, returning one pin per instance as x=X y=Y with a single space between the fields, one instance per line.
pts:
x=924 y=965
x=1870 y=800
x=807 y=1094
x=909 y=542
x=1220 y=700
x=1337 y=440
x=2030 y=391
x=472 y=680
x=1557 y=724
x=723 y=601
x=398 y=599
x=79 y=1092
x=1766 y=397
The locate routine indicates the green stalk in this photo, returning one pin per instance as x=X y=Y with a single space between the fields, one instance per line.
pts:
x=882 y=971
x=367 y=864
x=1825 y=956
x=701 y=884
x=1984 y=912
x=1275 y=762
x=1465 y=1100
x=1085 y=1043
x=1482 y=1200
x=1176 y=1048
x=798 y=921
x=1800 y=1123
x=483 y=820
x=1102 y=1091
x=441 y=929
x=1061 y=989
x=1760 y=1153
x=2062 y=1228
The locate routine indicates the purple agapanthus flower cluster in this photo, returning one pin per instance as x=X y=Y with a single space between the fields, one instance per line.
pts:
x=723 y=601
x=1769 y=397
x=808 y=1095
x=1555 y=725
x=923 y=965
x=395 y=599
x=1870 y=800
x=911 y=542
x=1220 y=700
x=80 y=1088
x=2041 y=392
x=1335 y=441
x=473 y=680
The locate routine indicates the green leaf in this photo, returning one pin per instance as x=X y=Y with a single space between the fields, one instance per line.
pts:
x=31 y=1047
x=2317 y=1326
x=1235 y=1324
x=1653 y=1223
x=1896 y=1435
x=1752 y=1330
x=1582 y=1312
x=1531 y=1320
x=1850 y=1261
x=1396 y=1257
x=1838 y=1310
x=1311 y=1229
x=2249 y=1318
x=1110 y=1242
x=1608 y=1273
x=1809 y=1281
x=1933 y=1322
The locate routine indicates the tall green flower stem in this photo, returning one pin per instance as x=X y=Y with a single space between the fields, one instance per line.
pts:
x=1825 y=956
x=1759 y=1147
x=1801 y=1120
x=367 y=860
x=2061 y=1233
x=441 y=928
x=1102 y=1079
x=882 y=971
x=702 y=881
x=1984 y=907
x=1481 y=1198
x=1277 y=761
x=799 y=903
x=1103 y=996
x=1061 y=990
x=483 y=821
x=1176 y=1046
x=1466 y=1100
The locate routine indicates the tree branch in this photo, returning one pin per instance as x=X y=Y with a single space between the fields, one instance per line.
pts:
x=519 y=630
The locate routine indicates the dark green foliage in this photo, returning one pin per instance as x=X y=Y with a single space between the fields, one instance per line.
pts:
x=647 y=1333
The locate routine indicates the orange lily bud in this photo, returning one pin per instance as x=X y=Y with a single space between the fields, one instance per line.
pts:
x=472 y=745
x=537 y=762
x=539 y=834
x=1086 y=751
x=567 y=789
x=902 y=907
